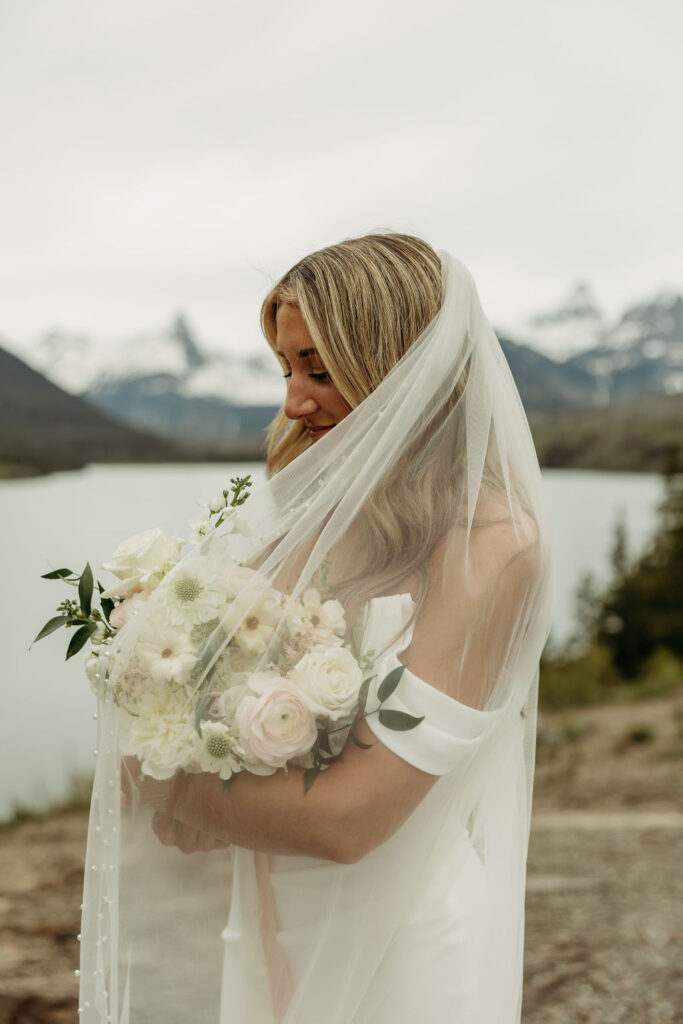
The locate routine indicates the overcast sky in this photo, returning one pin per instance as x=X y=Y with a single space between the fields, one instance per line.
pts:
x=161 y=155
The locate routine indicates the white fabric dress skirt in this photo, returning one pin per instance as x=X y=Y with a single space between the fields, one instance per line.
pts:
x=402 y=935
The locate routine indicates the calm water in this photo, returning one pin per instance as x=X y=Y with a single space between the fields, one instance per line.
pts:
x=47 y=731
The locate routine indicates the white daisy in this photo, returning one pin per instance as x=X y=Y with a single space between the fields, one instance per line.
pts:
x=218 y=751
x=253 y=616
x=167 y=654
x=319 y=622
x=191 y=594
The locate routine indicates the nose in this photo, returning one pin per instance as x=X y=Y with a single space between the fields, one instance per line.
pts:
x=300 y=402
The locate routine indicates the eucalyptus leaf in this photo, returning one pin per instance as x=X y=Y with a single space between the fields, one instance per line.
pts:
x=85 y=589
x=201 y=710
x=51 y=625
x=363 y=693
x=310 y=775
x=79 y=639
x=57 y=574
x=389 y=683
x=359 y=743
x=400 y=721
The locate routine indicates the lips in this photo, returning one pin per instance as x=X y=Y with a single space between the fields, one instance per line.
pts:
x=315 y=431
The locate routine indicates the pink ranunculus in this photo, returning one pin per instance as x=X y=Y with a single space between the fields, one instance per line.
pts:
x=277 y=725
x=127 y=608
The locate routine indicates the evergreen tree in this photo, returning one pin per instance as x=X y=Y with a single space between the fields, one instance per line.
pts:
x=643 y=609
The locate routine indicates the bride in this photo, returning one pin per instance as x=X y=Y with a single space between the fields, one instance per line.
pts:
x=402 y=520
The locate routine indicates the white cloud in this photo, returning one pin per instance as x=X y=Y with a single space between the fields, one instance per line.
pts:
x=165 y=155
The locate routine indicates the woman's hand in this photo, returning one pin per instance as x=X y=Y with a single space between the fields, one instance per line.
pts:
x=188 y=840
x=162 y=796
x=140 y=790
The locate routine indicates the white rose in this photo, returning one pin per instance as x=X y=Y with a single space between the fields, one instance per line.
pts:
x=329 y=678
x=141 y=561
x=278 y=724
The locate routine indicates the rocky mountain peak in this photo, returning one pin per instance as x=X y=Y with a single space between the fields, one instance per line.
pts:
x=181 y=333
x=580 y=303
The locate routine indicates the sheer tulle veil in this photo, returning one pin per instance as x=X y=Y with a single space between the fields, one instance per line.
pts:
x=430 y=489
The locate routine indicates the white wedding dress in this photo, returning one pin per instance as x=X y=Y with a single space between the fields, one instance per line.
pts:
x=417 y=946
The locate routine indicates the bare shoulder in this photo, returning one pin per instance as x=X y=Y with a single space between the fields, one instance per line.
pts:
x=475 y=580
x=475 y=559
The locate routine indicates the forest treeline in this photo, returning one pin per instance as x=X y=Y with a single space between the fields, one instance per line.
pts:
x=628 y=640
x=639 y=435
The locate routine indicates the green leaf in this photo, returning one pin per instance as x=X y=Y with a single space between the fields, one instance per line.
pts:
x=57 y=574
x=359 y=743
x=399 y=720
x=107 y=607
x=329 y=758
x=310 y=775
x=324 y=741
x=363 y=693
x=80 y=638
x=51 y=625
x=85 y=589
x=389 y=683
x=201 y=711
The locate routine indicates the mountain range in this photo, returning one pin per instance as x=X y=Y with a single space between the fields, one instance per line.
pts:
x=169 y=383
x=44 y=428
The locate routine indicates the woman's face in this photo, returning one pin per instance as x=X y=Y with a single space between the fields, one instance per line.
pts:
x=311 y=395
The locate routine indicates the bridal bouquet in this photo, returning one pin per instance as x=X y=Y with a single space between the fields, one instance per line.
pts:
x=239 y=714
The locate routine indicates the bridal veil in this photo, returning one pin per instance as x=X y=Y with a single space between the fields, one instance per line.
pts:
x=432 y=479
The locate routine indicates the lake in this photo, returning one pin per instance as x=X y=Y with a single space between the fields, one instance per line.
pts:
x=65 y=519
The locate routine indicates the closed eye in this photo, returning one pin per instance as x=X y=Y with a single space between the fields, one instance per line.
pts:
x=324 y=375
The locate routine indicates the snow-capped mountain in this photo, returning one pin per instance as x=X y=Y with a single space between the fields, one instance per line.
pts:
x=639 y=352
x=642 y=353
x=164 y=381
x=167 y=382
x=171 y=358
x=576 y=325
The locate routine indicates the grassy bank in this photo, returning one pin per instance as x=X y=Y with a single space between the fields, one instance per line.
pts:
x=641 y=435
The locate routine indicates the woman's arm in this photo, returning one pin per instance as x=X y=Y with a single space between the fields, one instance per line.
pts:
x=459 y=645
x=353 y=806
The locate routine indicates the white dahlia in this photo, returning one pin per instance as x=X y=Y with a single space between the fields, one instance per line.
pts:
x=160 y=732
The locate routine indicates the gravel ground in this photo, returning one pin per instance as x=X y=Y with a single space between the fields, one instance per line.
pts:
x=605 y=885
x=604 y=926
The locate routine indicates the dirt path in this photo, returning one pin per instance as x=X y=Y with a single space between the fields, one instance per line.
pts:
x=604 y=897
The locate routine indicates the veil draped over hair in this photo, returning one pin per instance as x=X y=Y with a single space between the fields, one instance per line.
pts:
x=421 y=513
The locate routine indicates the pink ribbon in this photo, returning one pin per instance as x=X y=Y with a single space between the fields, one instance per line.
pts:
x=279 y=975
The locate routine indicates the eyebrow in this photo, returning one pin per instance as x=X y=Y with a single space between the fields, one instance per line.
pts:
x=302 y=353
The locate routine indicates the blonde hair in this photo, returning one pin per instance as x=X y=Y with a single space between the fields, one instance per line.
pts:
x=364 y=302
